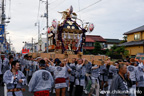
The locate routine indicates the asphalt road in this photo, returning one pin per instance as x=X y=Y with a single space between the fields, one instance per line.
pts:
x=26 y=93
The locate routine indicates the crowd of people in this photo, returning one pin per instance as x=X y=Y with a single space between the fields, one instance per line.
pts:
x=46 y=75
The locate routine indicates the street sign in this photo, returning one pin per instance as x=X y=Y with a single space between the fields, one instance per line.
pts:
x=1 y=39
x=1 y=29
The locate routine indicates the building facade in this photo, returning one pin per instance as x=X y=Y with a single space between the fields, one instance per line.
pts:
x=90 y=41
x=135 y=41
x=111 y=42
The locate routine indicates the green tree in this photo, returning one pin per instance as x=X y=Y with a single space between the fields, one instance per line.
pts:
x=124 y=39
x=97 y=48
x=116 y=50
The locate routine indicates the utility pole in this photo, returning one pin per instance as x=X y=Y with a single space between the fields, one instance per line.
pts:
x=38 y=30
x=47 y=25
x=32 y=44
x=9 y=45
x=38 y=25
x=34 y=47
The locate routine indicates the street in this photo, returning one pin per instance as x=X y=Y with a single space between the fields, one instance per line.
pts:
x=26 y=93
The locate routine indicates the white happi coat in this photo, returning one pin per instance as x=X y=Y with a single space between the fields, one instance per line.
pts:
x=11 y=83
x=59 y=72
x=40 y=81
x=5 y=65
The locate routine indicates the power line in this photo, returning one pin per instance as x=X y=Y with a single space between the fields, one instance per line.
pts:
x=90 y=5
x=53 y=2
x=79 y=4
x=79 y=7
x=58 y=5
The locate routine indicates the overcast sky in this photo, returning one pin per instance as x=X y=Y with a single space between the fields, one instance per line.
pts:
x=111 y=17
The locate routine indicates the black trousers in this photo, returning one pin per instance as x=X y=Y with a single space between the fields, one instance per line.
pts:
x=140 y=92
x=78 y=90
x=29 y=78
x=1 y=80
x=71 y=88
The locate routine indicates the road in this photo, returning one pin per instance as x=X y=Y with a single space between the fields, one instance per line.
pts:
x=26 y=93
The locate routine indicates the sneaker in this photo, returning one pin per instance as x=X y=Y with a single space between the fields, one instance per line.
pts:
x=102 y=92
x=54 y=91
x=85 y=91
x=93 y=95
x=68 y=89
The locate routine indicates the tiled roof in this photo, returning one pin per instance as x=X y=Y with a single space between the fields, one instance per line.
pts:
x=132 y=43
x=28 y=44
x=95 y=38
x=89 y=40
x=141 y=28
x=114 y=41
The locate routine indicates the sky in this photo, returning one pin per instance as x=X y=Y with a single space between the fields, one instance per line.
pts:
x=111 y=18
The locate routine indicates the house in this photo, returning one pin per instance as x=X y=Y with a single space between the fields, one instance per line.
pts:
x=90 y=40
x=41 y=45
x=28 y=46
x=111 y=42
x=135 y=41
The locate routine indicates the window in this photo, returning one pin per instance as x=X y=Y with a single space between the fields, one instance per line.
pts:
x=137 y=37
x=89 y=44
x=102 y=45
x=105 y=45
x=86 y=44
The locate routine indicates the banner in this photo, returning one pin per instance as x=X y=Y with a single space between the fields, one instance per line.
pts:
x=1 y=29
x=25 y=51
x=1 y=39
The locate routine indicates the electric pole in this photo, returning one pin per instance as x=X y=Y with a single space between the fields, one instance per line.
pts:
x=47 y=25
x=9 y=45
x=38 y=30
x=32 y=44
x=38 y=25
